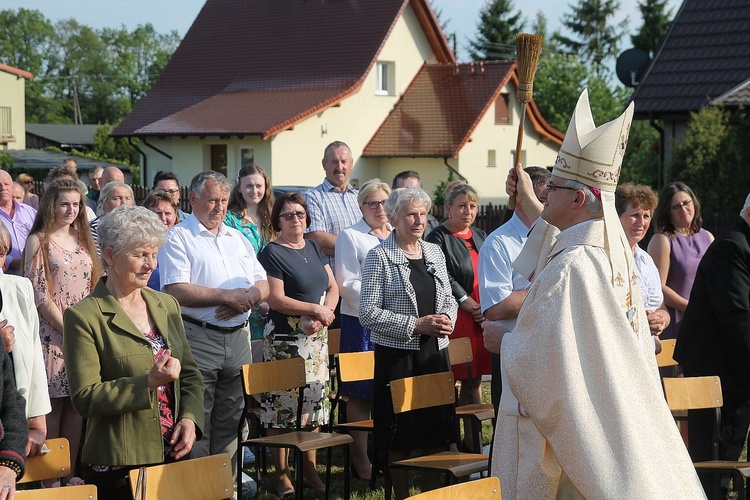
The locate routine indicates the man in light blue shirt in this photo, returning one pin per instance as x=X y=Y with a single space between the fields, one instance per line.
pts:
x=333 y=204
x=502 y=290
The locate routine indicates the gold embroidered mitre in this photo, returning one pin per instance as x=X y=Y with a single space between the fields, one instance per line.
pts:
x=593 y=155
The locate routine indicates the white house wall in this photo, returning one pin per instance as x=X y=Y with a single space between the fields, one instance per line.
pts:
x=472 y=159
x=12 y=95
x=297 y=153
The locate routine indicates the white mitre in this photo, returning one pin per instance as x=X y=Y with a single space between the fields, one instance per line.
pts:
x=593 y=156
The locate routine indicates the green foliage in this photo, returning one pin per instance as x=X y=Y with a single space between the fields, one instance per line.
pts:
x=711 y=159
x=438 y=196
x=655 y=18
x=6 y=161
x=111 y=69
x=641 y=162
x=496 y=31
x=116 y=149
x=559 y=81
x=588 y=32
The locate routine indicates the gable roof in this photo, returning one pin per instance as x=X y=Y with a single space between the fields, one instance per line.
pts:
x=705 y=53
x=740 y=95
x=257 y=67
x=15 y=71
x=439 y=111
x=63 y=134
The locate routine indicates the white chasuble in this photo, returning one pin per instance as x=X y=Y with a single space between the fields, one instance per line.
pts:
x=589 y=385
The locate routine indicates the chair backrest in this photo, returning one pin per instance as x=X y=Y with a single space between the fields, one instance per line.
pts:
x=52 y=465
x=80 y=492
x=205 y=478
x=459 y=350
x=356 y=366
x=273 y=375
x=666 y=357
x=479 y=489
x=423 y=391
x=693 y=393
x=334 y=341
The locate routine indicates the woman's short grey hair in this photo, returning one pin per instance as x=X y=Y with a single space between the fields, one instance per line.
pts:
x=130 y=225
x=200 y=180
x=108 y=191
x=401 y=198
x=370 y=187
x=592 y=203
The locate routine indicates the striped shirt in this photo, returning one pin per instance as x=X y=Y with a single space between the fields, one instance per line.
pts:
x=332 y=211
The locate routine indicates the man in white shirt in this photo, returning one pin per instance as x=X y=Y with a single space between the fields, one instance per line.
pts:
x=502 y=290
x=212 y=271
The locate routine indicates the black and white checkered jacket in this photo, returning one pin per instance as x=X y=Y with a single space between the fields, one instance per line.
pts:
x=388 y=301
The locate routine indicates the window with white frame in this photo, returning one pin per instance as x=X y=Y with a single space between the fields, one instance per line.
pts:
x=385 y=78
x=491 y=158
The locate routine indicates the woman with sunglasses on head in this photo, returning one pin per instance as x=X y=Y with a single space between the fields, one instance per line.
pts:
x=352 y=246
x=677 y=248
x=303 y=296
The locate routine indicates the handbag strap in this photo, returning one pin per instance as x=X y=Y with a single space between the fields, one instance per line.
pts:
x=140 y=487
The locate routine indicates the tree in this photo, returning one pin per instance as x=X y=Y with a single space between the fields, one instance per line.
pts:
x=709 y=159
x=496 y=31
x=110 y=148
x=655 y=18
x=641 y=162
x=594 y=39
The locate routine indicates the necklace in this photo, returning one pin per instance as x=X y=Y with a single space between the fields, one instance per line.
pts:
x=417 y=253
x=304 y=249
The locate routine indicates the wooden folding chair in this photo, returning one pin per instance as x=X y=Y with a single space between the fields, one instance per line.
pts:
x=699 y=393
x=426 y=391
x=460 y=352
x=55 y=464
x=481 y=489
x=353 y=367
x=205 y=478
x=666 y=357
x=282 y=375
x=80 y=492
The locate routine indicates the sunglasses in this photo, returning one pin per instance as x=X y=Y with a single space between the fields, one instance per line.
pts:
x=291 y=215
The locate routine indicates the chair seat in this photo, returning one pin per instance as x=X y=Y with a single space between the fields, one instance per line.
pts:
x=715 y=465
x=457 y=463
x=360 y=425
x=481 y=411
x=303 y=441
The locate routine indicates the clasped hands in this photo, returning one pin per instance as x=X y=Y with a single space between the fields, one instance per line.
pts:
x=494 y=331
x=312 y=324
x=434 y=325
x=237 y=301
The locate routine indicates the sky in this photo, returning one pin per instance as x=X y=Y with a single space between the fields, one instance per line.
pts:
x=166 y=15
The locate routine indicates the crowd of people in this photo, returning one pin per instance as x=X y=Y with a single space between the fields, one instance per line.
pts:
x=139 y=318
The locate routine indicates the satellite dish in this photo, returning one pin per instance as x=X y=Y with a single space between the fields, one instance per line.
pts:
x=630 y=66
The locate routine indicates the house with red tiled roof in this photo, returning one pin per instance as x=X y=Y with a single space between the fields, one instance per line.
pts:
x=275 y=82
x=703 y=60
x=13 y=107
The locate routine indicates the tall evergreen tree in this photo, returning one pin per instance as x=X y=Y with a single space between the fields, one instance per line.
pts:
x=588 y=31
x=655 y=16
x=496 y=31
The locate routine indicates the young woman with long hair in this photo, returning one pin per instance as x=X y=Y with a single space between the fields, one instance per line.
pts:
x=63 y=265
x=250 y=205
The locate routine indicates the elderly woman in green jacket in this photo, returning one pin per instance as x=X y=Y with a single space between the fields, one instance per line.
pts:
x=132 y=374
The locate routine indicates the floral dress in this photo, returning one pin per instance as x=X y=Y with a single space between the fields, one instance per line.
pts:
x=283 y=337
x=70 y=282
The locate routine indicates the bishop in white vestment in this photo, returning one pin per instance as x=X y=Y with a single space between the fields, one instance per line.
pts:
x=585 y=397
